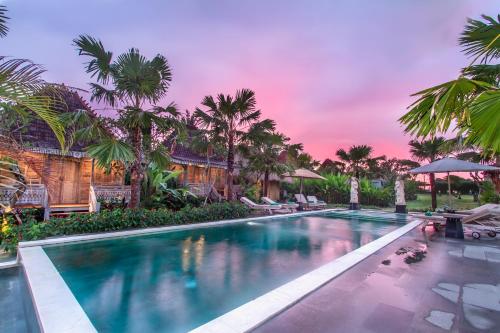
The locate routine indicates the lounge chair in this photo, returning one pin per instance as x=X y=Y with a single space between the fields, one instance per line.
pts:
x=302 y=201
x=490 y=206
x=315 y=201
x=266 y=208
x=291 y=206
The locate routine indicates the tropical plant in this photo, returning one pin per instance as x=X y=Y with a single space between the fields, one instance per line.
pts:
x=130 y=84
x=471 y=102
x=20 y=87
x=159 y=184
x=227 y=120
x=263 y=155
x=429 y=150
x=358 y=159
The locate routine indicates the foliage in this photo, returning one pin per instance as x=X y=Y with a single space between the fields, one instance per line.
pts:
x=20 y=87
x=118 y=219
x=297 y=158
x=488 y=194
x=228 y=121
x=160 y=189
x=336 y=189
x=470 y=102
x=358 y=160
x=130 y=83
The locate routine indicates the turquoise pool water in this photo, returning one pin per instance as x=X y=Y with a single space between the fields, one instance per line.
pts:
x=177 y=281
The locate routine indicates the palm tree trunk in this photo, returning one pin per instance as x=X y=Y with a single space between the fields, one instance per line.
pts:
x=432 y=182
x=495 y=176
x=266 y=183
x=230 y=168
x=136 y=173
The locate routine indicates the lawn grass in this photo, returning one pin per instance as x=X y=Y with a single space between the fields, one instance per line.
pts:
x=423 y=202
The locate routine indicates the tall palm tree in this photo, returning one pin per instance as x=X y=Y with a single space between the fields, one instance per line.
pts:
x=356 y=158
x=263 y=153
x=429 y=150
x=131 y=84
x=471 y=102
x=227 y=119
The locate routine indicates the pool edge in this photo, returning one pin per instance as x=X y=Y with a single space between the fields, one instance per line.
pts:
x=56 y=308
x=261 y=309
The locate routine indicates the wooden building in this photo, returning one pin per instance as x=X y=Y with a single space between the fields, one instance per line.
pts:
x=64 y=180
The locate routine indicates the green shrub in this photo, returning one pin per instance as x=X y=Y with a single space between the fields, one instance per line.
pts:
x=488 y=193
x=114 y=220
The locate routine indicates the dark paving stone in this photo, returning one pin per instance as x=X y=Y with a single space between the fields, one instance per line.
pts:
x=372 y=297
x=389 y=319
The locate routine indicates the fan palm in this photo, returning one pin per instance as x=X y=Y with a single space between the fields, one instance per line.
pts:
x=227 y=120
x=429 y=150
x=356 y=158
x=263 y=153
x=472 y=100
x=131 y=84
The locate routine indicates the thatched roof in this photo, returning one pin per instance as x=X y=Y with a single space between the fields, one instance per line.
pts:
x=39 y=137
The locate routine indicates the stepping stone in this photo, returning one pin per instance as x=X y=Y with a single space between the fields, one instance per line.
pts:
x=441 y=319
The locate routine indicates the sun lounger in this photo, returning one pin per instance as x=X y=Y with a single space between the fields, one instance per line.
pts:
x=266 y=208
x=306 y=204
x=319 y=203
x=291 y=206
x=490 y=206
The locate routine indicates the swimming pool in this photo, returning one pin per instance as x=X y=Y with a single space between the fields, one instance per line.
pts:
x=177 y=281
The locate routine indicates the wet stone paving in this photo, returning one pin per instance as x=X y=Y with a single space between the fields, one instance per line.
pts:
x=419 y=283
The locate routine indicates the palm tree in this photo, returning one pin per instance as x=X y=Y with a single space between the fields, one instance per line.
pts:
x=429 y=150
x=263 y=153
x=356 y=158
x=472 y=100
x=131 y=84
x=227 y=120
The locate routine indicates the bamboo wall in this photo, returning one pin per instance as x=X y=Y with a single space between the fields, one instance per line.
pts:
x=67 y=178
x=196 y=174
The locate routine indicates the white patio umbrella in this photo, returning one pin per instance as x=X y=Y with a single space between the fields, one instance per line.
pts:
x=448 y=164
x=303 y=174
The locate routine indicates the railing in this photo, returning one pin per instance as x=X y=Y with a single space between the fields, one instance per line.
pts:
x=205 y=190
x=111 y=192
x=34 y=195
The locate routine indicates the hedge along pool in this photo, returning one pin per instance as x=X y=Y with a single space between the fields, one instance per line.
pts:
x=177 y=281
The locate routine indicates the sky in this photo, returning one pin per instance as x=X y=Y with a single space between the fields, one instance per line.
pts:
x=332 y=74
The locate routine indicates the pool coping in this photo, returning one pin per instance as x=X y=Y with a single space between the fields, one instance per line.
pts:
x=50 y=293
x=261 y=309
x=56 y=308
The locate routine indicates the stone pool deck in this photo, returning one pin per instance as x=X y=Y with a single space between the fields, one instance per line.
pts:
x=455 y=288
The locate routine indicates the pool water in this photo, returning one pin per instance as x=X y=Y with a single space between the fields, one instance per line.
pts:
x=177 y=281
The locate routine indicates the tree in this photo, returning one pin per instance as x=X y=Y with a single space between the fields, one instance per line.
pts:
x=263 y=154
x=471 y=102
x=228 y=119
x=298 y=158
x=357 y=159
x=429 y=150
x=132 y=85
x=331 y=167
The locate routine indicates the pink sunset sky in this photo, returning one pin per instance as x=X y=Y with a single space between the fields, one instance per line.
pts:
x=331 y=73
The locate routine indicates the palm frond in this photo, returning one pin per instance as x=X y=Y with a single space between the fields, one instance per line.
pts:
x=100 y=93
x=439 y=106
x=110 y=150
x=3 y=21
x=485 y=73
x=100 y=63
x=482 y=38
x=485 y=121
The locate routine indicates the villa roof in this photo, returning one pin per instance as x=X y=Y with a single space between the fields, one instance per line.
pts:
x=39 y=137
x=182 y=154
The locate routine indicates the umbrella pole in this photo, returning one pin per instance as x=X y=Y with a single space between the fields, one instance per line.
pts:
x=301 y=180
x=449 y=190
